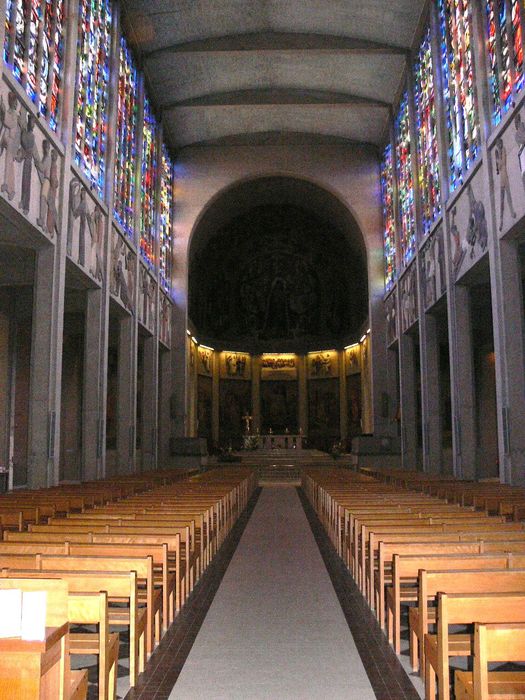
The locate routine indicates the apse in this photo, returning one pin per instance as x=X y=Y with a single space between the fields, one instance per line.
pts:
x=277 y=265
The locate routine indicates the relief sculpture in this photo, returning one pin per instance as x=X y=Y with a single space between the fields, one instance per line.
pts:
x=85 y=232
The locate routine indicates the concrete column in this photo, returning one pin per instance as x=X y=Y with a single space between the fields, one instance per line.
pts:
x=432 y=421
x=149 y=405
x=93 y=398
x=303 y=393
x=215 y=408
x=256 y=392
x=126 y=397
x=343 y=403
x=509 y=339
x=45 y=379
x=164 y=420
x=408 y=400
x=462 y=374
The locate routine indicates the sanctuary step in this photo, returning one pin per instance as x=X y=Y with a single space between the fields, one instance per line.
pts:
x=285 y=466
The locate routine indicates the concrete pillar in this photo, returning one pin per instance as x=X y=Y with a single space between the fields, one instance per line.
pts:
x=303 y=393
x=164 y=417
x=44 y=399
x=149 y=405
x=408 y=400
x=343 y=402
x=126 y=397
x=462 y=378
x=215 y=389
x=93 y=399
x=256 y=392
x=430 y=394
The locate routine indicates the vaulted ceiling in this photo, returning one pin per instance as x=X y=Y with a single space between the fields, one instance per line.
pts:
x=273 y=71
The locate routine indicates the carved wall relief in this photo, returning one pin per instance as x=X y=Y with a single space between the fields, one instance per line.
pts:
x=85 y=231
x=408 y=299
x=123 y=274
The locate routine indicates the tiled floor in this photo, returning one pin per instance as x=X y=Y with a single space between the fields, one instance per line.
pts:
x=384 y=672
x=167 y=660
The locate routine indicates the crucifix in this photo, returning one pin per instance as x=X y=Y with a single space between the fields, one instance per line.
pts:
x=247 y=423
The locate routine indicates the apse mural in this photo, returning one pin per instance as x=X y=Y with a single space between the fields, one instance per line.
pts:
x=147 y=299
x=30 y=166
x=123 y=272
x=408 y=298
x=165 y=320
x=86 y=231
x=433 y=272
x=391 y=319
x=468 y=226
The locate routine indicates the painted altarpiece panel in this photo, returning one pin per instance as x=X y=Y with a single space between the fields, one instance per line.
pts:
x=353 y=359
x=235 y=400
x=323 y=413
x=323 y=364
x=235 y=365
x=279 y=406
x=204 y=407
x=204 y=361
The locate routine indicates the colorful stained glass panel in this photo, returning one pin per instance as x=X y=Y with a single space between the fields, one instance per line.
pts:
x=405 y=182
x=92 y=89
x=148 y=186
x=426 y=128
x=389 y=229
x=166 y=221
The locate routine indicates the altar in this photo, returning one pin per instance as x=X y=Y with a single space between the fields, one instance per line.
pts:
x=286 y=441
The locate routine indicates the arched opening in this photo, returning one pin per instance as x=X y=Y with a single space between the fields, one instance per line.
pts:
x=277 y=265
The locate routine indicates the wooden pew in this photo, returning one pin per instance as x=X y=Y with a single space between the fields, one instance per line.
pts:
x=463 y=609
x=460 y=581
x=42 y=681
x=494 y=642
x=117 y=584
x=92 y=609
x=404 y=588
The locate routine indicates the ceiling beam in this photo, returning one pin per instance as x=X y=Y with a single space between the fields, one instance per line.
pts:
x=277 y=96
x=278 y=41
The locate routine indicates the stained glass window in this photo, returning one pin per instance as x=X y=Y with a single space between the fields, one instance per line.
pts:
x=405 y=182
x=148 y=185
x=126 y=139
x=166 y=221
x=91 y=92
x=505 y=52
x=389 y=238
x=427 y=146
x=34 y=50
x=460 y=99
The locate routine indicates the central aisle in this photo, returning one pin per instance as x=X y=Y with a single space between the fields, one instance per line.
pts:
x=275 y=628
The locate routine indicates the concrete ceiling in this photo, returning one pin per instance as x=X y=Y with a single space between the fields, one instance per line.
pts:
x=252 y=71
